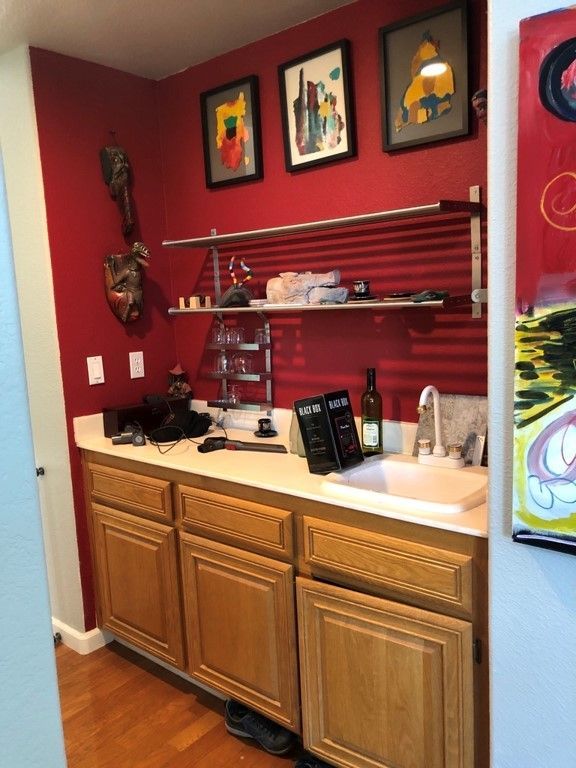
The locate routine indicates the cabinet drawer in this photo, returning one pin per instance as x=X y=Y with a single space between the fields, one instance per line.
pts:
x=423 y=575
x=247 y=524
x=130 y=492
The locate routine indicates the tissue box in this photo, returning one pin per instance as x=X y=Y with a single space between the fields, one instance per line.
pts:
x=328 y=432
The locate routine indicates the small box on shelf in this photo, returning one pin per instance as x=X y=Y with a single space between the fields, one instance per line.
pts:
x=195 y=302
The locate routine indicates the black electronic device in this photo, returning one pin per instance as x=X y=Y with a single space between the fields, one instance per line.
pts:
x=154 y=413
x=212 y=444
x=134 y=436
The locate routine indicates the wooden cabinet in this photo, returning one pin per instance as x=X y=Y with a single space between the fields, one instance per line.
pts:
x=138 y=582
x=134 y=548
x=388 y=675
x=238 y=587
x=359 y=631
x=383 y=684
x=240 y=625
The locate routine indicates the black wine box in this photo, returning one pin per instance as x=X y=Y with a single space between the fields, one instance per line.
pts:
x=328 y=432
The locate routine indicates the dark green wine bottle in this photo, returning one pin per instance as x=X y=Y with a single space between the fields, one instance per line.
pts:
x=371 y=408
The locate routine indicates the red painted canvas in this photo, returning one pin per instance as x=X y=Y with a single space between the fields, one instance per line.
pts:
x=544 y=511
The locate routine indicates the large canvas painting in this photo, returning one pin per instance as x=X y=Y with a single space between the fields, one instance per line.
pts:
x=544 y=512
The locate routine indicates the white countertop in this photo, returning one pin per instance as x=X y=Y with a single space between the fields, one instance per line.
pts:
x=281 y=473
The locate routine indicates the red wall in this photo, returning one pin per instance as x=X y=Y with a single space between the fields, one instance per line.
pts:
x=318 y=352
x=77 y=105
x=158 y=124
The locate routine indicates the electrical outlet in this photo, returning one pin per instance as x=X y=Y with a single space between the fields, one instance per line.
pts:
x=136 y=365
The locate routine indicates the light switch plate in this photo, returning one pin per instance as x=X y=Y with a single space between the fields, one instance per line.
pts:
x=95 y=370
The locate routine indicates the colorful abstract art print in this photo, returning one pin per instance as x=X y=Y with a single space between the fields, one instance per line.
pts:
x=317 y=107
x=231 y=133
x=544 y=479
x=424 y=78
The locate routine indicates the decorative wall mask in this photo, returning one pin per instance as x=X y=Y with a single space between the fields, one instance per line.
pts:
x=123 y=281
x=480 y=104
x=116 y=173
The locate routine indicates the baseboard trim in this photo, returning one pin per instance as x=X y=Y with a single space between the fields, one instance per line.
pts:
x=81 y=642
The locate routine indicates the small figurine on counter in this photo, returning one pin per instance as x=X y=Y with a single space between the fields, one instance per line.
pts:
x=116 y=174
x=178 y=382
x=123 y=282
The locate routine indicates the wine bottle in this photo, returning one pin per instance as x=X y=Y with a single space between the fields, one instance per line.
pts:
x=371 y=408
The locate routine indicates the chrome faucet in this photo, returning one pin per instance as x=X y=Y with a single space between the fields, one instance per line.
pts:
x=438 y=456
x=438 y=449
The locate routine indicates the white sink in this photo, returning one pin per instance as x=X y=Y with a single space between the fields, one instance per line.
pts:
x=398 y=482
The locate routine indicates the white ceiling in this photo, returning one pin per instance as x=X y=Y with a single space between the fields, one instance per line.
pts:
x=152 y=38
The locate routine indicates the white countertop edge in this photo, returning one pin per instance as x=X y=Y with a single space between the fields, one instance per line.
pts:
x=280 y=473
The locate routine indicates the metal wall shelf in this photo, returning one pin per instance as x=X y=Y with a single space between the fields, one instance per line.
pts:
x=269 y=309
x=418 y=211
x=477 y=295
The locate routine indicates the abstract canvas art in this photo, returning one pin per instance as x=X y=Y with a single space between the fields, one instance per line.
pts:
x=544 y=500
x=424 y=78
x=231 y=133
x=317 y=107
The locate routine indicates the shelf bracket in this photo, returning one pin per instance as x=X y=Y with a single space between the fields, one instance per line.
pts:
x=479 y=295
x=476 y=251
x=268 y=358
x=216 y=268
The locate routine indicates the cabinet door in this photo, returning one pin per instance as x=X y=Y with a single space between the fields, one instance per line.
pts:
x=383 y=684
x=137 y=576
x=241 y=626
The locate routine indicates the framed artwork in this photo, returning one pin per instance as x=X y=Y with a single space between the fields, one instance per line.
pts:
x=231 y=133
x=317 y=107
x=424 y=78
x=544 y=437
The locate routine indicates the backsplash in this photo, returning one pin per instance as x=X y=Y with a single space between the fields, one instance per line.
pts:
x=463 y=420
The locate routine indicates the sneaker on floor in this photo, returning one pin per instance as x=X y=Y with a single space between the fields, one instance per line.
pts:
x=310 y=761
x=241 y=721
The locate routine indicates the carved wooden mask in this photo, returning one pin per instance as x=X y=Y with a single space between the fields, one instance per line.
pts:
x=123 y=282
x=116 y=174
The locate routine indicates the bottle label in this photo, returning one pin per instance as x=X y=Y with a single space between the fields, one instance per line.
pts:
x=371 y=434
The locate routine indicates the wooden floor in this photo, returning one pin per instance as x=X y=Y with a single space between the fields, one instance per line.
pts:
x=121 y=711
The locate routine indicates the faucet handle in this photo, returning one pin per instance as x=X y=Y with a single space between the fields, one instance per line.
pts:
x=455 y=450
x=424 y=446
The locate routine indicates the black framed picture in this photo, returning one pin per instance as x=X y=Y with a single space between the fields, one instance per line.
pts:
x=231 y=133
x=424 y=78
x=317 y=107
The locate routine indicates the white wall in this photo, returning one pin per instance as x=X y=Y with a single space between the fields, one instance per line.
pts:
x=30 y=728
x=532 y=591
x=25 y=191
